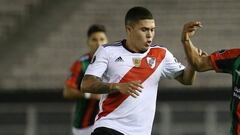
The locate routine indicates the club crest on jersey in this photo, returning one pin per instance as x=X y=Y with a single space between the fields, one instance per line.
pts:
x=136 y=62
x=151 y=61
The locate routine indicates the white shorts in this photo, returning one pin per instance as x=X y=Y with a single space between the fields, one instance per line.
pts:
x=82 y=131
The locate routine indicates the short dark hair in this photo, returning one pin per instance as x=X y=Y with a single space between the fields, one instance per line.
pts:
x=96 y=28
x=137 y=13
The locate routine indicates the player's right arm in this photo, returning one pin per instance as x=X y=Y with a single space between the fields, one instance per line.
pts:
x=72 y=93
x=199 y=59
x=92 y=82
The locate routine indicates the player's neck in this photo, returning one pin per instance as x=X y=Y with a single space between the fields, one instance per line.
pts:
x=129 y=46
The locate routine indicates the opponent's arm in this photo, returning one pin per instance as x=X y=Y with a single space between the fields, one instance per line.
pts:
x=199 y=59
x=93 y=84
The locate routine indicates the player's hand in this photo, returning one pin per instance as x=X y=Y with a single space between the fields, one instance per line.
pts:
x=133 y=88
x=189 y=29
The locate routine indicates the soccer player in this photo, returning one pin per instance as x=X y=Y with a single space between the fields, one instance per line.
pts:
x=87 y=104
x=127 y=73
x=224 y=61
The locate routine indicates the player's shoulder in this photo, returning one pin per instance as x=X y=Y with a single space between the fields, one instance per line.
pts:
x=77 y=64
x=113 y=45
x=84 y=57
x=226 y=55
x=232 y=51
x=159 y=46
x=163 y=49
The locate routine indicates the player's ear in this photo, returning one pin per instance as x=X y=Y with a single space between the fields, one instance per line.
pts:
x=128 y=28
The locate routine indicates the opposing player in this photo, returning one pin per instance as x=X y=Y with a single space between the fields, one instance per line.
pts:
x=127 y=73
x=224 y=61
x=87 y=104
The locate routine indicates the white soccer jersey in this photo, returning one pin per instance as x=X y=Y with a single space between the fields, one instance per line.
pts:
x=114 y=63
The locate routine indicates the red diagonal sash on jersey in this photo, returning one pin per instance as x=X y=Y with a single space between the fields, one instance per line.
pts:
x=141 y=73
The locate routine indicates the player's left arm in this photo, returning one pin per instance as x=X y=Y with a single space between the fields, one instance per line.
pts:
x=187 y=77
x=198 y=59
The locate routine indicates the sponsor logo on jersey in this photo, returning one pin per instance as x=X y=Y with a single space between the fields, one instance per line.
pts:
x=180 y=65
x=151 y=61
x=136 y=62
x=238 y=72
x=236 y=89
x=119 y=59
x=236 y=92
x=176 y=60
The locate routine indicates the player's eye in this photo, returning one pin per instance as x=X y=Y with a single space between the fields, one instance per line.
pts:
x=94 y=39
x=143 y=29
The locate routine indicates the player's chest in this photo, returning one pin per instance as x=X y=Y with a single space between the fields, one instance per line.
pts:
x=136 y=64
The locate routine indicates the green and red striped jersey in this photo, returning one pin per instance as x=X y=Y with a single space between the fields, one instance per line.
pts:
x=86 y=108
x=228 y=61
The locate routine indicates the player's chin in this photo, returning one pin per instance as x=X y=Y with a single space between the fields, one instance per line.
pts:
x=146 y=46
x=144 y=49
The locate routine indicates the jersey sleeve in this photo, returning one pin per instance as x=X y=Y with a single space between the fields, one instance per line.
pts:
x=75 y=75
x=223 y=60
x=171 y=67
x=99 y=63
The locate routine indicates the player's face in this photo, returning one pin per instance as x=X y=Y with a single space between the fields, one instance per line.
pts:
x=141 y=34
x=95 y=40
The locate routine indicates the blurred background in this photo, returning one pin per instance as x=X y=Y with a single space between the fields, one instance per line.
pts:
x=40 y=39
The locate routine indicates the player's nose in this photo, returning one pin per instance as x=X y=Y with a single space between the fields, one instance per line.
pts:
x=98 y=43
x=149 y=34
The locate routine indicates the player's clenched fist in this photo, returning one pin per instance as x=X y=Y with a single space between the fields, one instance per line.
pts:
x=189 y=29
x=131 y=88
